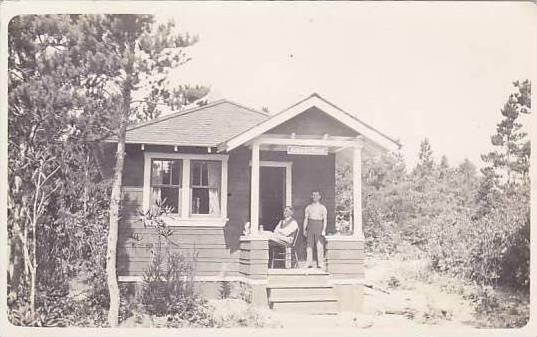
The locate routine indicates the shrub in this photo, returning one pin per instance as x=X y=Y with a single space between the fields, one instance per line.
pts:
x=493 y=249
x=24 y=316
x=224 y=291
x=168 y=291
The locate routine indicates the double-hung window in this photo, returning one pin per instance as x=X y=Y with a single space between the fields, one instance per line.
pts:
x=166 y=176
x=205 y=184
x=193 y=186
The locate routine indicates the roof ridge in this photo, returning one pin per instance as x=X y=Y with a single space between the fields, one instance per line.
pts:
x=246 y=107
x=175 y=114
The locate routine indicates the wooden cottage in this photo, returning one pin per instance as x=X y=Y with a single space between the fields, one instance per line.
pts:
x=223 y=165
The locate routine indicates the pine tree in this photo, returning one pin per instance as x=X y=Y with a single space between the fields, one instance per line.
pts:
x=84 y=76
x=127 y=54
x=510 y=160
x=443 y=168
x=425 y=164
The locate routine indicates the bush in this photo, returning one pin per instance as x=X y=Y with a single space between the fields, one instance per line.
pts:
x=225 y=289
x=493 y=249
x=23 y=316
x=168 y=291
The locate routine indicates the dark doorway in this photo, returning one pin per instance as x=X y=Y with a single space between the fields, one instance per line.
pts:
x=271 y=196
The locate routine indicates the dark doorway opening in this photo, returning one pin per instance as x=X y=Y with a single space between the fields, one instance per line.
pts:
x=271 y=196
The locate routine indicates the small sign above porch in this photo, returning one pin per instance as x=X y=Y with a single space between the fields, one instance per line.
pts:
x=307 y=150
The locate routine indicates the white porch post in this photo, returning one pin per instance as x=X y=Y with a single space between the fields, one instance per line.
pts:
x=357 y=230
x=254 y=190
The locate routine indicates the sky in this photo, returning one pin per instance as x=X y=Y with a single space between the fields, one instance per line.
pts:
x=412 y=70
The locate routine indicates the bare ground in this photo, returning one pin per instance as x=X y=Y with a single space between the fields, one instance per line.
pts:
x=403 y=294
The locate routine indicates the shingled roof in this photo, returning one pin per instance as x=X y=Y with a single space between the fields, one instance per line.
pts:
x=226 y=125
x=208 y=125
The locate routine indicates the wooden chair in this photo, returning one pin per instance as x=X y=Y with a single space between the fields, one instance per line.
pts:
x=285 y=253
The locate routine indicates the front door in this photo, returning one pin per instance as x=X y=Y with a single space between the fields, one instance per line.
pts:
x=271 y=196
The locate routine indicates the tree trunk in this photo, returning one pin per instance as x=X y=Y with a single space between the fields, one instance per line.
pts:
x=16 y=262
x=115 y=198
x=111 y=252
x=33 y=268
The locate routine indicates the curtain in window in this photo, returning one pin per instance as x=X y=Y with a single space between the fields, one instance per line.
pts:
x=213 y=169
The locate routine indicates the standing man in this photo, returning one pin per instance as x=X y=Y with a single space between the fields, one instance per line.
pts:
x=314 y=227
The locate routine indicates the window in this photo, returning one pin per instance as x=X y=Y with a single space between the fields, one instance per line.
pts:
x=193 y=185
x=205 y=187
x=166 y=183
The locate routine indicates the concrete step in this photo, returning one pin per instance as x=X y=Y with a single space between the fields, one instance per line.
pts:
x=305 y=297
x=292 y=294
x=297 y=279
x=307 y=307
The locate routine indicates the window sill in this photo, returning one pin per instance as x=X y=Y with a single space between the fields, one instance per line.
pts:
x=195 y=222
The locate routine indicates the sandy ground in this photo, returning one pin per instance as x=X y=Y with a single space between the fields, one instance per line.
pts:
x=400 y=294
x=397 y=299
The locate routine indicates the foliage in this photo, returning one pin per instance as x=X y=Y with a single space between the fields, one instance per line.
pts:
x=168 y=285
x=343 y=197
x=469 y=226
x=224 y=290
x=232 y=313
x=58 y=230
x=70 y=79
x=26 y=316
x=168 y=290
x=245 y=292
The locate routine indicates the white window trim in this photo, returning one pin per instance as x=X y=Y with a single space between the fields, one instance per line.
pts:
x=185 y=219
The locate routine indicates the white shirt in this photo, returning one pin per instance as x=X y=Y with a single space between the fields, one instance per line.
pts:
x=288 y=229
x=316 y=211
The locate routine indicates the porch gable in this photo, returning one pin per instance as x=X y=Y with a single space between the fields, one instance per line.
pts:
x=319 y=104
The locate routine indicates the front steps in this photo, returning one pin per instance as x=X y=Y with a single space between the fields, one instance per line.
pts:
x=301 y=291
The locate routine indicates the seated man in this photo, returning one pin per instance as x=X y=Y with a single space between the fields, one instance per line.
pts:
x=283 y=233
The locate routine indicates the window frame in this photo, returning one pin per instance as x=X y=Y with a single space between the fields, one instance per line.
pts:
x=191 y=187
x=184 y=218
x=179 y=186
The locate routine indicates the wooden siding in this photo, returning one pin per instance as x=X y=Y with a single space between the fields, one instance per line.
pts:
x=212 y=243
x=345 y=258
x=238 y=202
x=314 y=122
x=204 y=245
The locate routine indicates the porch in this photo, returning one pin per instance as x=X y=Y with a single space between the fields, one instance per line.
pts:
x=338 y=287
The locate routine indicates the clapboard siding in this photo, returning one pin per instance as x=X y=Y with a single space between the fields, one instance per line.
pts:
x=345 y=258
x=136 y=243
x=314 y=122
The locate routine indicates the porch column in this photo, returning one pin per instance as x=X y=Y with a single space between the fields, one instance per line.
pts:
x=357 y=230
x=254 y=190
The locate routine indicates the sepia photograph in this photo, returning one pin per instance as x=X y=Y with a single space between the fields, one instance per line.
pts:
x=267 y=168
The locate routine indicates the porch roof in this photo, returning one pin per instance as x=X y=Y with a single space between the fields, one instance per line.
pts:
x=227 y=125
x=314 y=100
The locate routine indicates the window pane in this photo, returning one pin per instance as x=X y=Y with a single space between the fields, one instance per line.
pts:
x=196 y=174
x=169 y=197
x=176 y=172
x=166 y=172
x=204 y=174
x=157 y=171
x=200 y=201
x=206 y=180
